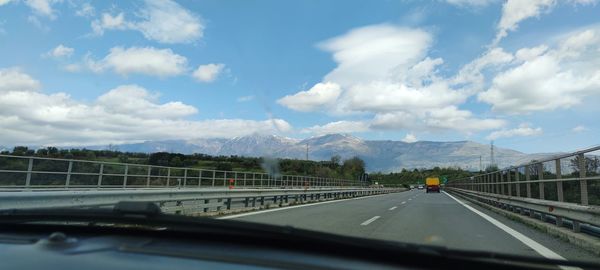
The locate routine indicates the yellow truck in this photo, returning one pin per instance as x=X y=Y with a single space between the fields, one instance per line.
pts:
x=432 y=184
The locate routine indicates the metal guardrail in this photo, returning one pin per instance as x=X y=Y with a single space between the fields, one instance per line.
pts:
x=22 y=172
x=183 y=201
x=526 y=188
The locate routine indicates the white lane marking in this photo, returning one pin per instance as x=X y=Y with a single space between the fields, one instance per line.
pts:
x=295 y=206
x=368 y=221
x=402 y=202
x=410 y=199
x=393 y=208
x=542 y=250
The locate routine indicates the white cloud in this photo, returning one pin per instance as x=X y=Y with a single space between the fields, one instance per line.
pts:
x=245 y=98
x=409 y=138
x=322 y=94
x=521 y=131
x=73 y=68
x=471 y=3
x=60 y=51
x=515 y=11
x=42 y=7
x=547 y=79
x=168 y=22
x=470 y=75
x=140 y=60
x=208 y=73
x=127 y=113
x=109 y=22
x=376 y=52
x=4 y=2
x=12 y=79
x=579 y=129
x=338 y=127
x=86 y=10
x=163 y=21
x=383 y=70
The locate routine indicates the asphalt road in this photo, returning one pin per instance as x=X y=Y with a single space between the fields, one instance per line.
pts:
x=418 y=217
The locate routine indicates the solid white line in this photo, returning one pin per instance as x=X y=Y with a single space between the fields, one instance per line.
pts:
x=392 y=208
x=295 y=206
x=402 y=202
x=368 y=221
x=410 y=199
x=542 y=250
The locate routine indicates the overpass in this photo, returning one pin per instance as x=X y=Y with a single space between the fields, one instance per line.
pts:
x=547 y=208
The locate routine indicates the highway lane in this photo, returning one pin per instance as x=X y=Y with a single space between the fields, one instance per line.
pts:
x=418 y=217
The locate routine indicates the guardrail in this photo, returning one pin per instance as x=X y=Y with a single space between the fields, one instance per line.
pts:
x=184 y=201
x=527 y=189
x=23 y=172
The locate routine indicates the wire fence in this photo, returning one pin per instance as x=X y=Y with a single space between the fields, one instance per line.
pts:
x=572 y=178
x=23 y=172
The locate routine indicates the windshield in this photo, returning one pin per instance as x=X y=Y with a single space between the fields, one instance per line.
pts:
x=466 y=124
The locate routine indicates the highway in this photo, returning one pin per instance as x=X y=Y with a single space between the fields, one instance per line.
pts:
x=424 y=218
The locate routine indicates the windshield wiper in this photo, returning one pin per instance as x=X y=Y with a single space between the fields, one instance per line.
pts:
x=148 y=215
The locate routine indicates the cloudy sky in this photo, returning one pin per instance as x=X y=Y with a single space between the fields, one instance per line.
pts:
x=525 y=74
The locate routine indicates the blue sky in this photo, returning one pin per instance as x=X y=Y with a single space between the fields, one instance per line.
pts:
x=523 y=73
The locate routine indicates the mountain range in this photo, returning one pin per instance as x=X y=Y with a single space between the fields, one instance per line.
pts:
x=379 y=155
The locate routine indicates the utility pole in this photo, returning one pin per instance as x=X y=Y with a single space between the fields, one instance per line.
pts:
x=480 y=164
x=307 y=151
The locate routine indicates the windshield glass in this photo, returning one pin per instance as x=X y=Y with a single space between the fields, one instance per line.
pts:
x=466 y=124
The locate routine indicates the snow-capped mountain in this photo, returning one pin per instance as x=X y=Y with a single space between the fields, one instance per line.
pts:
x=379 y=155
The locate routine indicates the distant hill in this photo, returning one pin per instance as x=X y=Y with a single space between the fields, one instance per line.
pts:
x=379 y=155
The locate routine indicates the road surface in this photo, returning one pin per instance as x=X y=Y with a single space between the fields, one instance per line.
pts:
x=424 y=218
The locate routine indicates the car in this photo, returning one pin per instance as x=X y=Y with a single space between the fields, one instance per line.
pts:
x=420 y=187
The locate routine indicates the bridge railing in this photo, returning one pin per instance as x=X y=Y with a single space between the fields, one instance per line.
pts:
x=560 y=187
x=27 y=172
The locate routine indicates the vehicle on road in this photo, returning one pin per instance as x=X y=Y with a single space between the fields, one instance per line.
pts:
x=432 y=184
x=420 y=187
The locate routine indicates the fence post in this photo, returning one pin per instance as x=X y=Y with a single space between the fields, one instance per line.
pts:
x=583 y=182
x=199 y=178
x=185 y=177
x=125 y=176
x=559 y=184
x=168 y=176
x=148 y=176
x=541 y=177
x=213 y=178
x=29 y=169
x=501 y=174
x=509 y=185
x=69 y=174
x=528 y=178
x=518 y=186
x=100 y=172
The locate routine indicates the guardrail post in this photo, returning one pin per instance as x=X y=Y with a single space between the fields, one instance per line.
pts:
x=100 y=172
x=559 y=184
x=583 y=182
x=125 y=176
x=244 y=179
x=261 y=180
x=528 y=178
x=541 y=177
x=224 y=179
x=518 y=186
x=68 y=181
x=29 y=169
x=148 y=176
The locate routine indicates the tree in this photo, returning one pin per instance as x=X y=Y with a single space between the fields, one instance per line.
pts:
x=353 y=167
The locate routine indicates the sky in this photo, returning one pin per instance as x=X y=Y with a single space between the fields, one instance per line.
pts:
x=524 y=74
